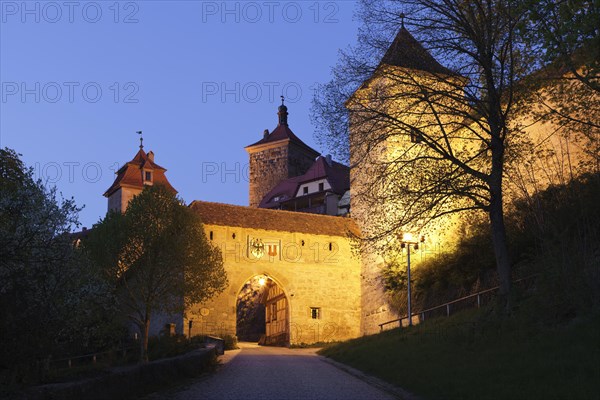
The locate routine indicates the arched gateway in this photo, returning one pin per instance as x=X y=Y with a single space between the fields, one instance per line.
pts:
x=313 y=279
x=263 y=312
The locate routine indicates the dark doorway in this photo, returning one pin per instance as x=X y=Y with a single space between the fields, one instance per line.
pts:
x=250 y=326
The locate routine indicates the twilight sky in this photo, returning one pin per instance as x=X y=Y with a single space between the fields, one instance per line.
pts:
x=201 y=79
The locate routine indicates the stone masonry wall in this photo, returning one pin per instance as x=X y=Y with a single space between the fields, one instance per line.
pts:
x=310 y=274
x=267 y=168
x=300 y=160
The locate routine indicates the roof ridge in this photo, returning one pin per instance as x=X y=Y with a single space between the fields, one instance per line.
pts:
x=291 y=213
x=223 y=214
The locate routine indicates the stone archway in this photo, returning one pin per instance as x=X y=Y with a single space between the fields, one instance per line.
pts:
x=262 y=312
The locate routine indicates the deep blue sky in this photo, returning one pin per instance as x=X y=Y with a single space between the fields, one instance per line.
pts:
x=201 y=79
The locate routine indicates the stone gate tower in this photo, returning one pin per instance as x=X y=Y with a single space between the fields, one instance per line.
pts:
x=277 y=156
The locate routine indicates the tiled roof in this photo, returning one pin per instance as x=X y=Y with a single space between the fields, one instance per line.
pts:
x=274 y=220
x=141 y=158
x=405 y=51
x=131 y=174
x=283 y=132
x=338 y=176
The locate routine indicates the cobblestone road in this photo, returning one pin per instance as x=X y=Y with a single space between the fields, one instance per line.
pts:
x=276 y=373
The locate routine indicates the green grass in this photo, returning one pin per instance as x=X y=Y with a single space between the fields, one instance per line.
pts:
x=492 y=358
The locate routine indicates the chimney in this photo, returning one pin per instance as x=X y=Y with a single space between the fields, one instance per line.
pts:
x=151 y=155
x=328 y=159
x=266 y=134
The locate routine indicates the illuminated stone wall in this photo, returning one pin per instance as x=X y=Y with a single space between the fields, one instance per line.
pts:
x=549 y=153
x=310 y=274
x=374 y=144
x=538 y=154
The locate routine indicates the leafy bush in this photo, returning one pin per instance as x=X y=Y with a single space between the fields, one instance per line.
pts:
x=165 y=346
x=559 y=234
x=230 y=341
x=554 y=234
x=446 y=276
x=53 y=303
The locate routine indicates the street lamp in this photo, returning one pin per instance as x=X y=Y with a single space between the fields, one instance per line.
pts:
x=407 y=240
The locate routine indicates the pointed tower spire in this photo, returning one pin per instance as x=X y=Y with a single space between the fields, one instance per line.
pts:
x=405 y=51
x=141 y=139
x=283 y=113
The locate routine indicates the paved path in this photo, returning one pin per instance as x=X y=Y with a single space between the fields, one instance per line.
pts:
x=276 y=373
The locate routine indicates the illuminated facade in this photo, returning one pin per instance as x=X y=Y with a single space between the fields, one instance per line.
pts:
x=411 y=95
x=313 y=288
x=310 y=265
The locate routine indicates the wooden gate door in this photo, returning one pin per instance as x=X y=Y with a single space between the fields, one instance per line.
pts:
x=277 y=317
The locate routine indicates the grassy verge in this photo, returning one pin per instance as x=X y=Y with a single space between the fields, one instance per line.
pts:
x=456 y=358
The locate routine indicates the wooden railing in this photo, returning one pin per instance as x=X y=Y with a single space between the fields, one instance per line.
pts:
x=476 y=297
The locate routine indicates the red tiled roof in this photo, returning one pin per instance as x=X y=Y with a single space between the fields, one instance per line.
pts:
x=338 y=176
x=141 y=158
x=131 y=174
x=274 y=220
x=405 y=51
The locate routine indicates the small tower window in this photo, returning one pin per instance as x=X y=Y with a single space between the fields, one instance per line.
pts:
x=305 y=190
x=148 y=176
x=315 y=313
x=321 y=187
x=415 y=136
x=211 y=235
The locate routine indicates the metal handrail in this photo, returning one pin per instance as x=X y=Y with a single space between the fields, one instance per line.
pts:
x=448 y=304
x=92 y=356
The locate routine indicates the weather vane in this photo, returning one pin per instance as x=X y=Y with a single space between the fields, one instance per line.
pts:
x=402 y=15
x=282 y=99
x=141 y=139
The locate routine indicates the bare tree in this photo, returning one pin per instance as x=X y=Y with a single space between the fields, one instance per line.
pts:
x=429 y=140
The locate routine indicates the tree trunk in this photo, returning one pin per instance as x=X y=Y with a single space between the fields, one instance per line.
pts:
x=496 y=210
x=144 y=348
x=500 y=247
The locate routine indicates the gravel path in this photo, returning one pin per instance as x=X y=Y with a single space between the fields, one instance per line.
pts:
x=276 y=373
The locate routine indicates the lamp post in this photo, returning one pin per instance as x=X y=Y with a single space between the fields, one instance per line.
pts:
x=407 y=240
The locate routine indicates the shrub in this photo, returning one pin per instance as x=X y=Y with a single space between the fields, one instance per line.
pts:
x=170 y=346
x=230 y=341
x=554 y=234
